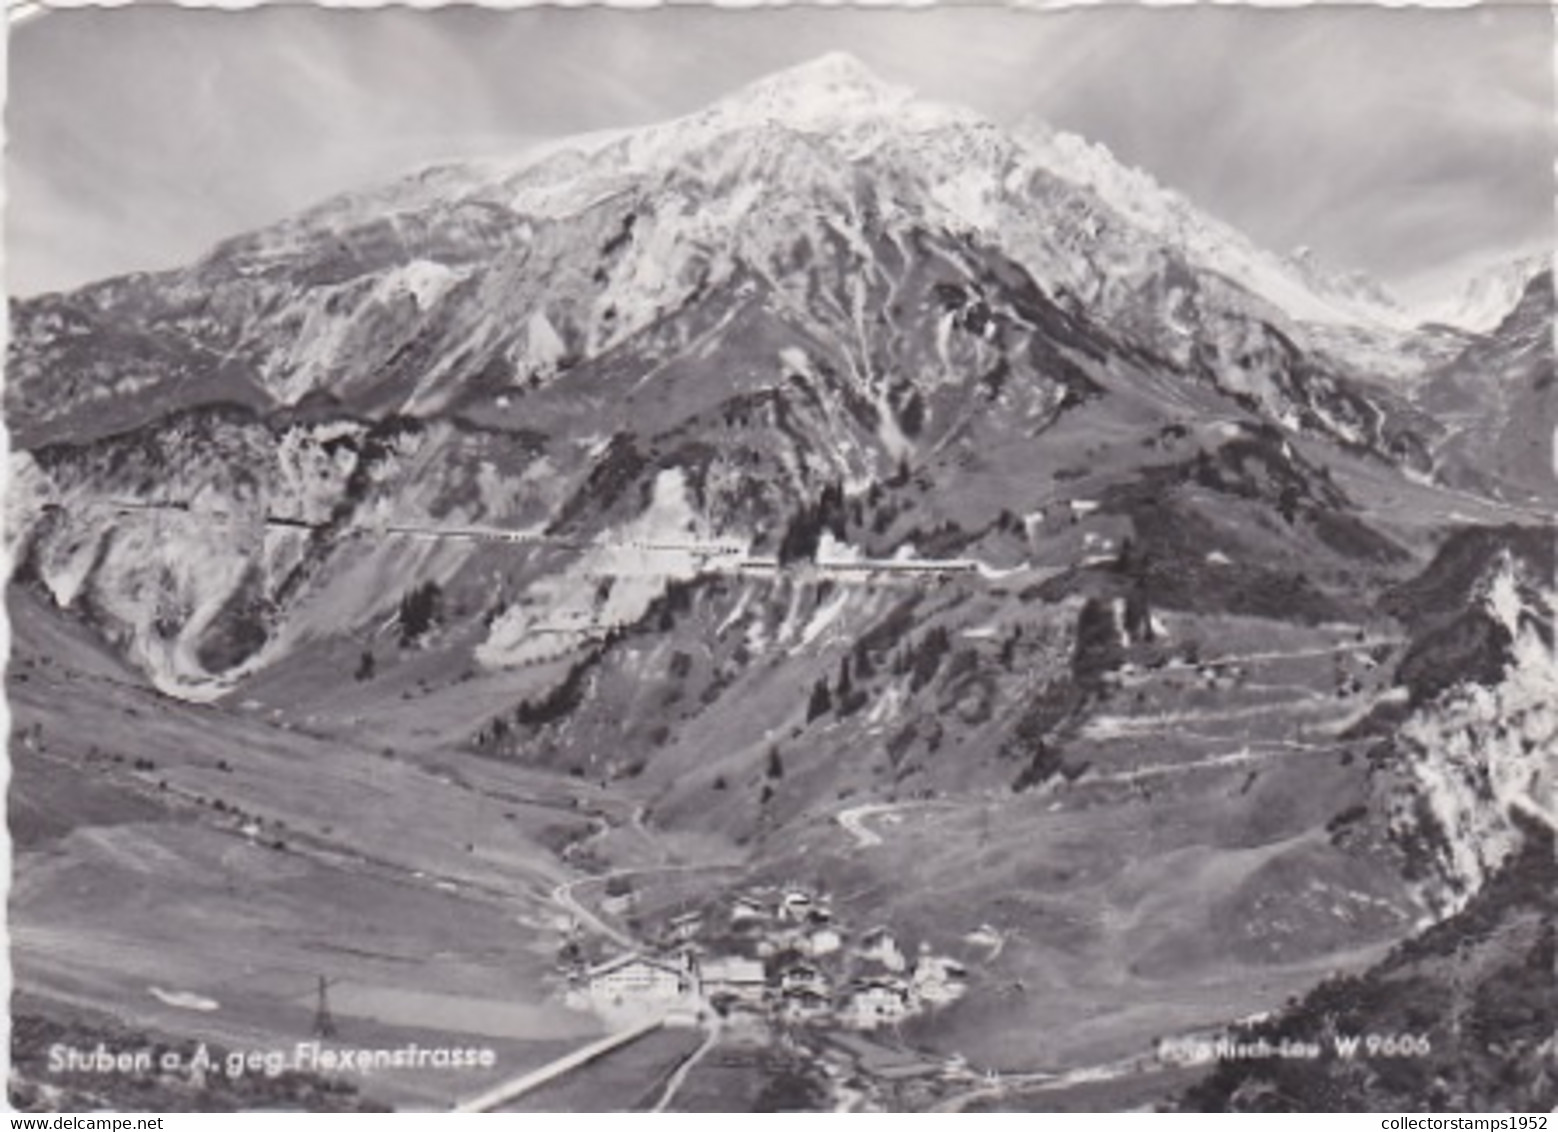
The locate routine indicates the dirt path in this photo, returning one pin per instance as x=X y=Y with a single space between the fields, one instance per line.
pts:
x=1245 y=755
x=679 y=1076
x=1043 y=1081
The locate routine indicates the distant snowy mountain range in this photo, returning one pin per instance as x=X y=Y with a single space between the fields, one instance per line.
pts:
x=1298 y=284
x=1489 y=296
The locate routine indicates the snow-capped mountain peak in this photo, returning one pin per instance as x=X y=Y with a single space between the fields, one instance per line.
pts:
x=823 y=89
x=828 y=94
x=835 y=95
x=1486 y=298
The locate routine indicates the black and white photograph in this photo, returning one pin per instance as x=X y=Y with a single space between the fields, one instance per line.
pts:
x=942 y=558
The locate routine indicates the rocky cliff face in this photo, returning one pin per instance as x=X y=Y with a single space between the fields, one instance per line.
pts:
x=1473 y=756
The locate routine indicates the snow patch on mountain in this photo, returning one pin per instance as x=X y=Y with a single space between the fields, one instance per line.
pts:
x=823 y=618
x=544 y=347
x=425 y=281
x=971 y=193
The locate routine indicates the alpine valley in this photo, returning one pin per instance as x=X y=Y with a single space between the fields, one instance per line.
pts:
x=926 y=565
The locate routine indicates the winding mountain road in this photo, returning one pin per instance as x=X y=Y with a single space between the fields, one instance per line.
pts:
x=854 y=819
x=563 y=895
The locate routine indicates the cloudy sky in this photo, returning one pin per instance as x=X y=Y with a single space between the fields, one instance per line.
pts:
x=1416 y=145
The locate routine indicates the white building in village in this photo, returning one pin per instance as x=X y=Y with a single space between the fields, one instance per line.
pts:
x=875 y=1003
x=803 y=1005
x=632 y=983
x=820 y=941
x=796 y=906
x=733 y=976
x=938 y=980
x=879 y=946
x=685 y=927
x=804 y=977
x=746 y=910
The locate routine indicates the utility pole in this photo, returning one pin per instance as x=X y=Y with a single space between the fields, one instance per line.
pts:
x=324 y=1023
